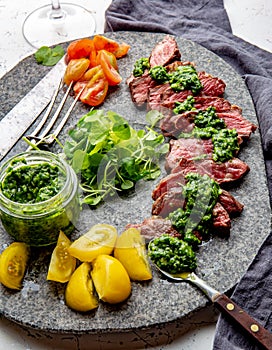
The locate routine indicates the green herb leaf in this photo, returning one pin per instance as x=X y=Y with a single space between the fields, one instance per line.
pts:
x=49 y=56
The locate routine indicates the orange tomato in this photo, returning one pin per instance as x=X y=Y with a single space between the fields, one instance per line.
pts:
x=87 y=76
x=122 y=50
x=92 y=58
x=103 y=43
x=80 y=48
x=75 y=70
x=108 y=63
x=95 y=90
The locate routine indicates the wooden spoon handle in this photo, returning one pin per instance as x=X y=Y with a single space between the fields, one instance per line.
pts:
x=252 y=327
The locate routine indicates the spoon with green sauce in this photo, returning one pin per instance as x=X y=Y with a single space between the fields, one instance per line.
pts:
x=175 y=258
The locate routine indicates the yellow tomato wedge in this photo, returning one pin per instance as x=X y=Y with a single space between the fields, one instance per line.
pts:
x=111 y=280
x=100 y=239
x=80 y=294
x=75 y=70
x=13 y=262
x=130 y=250
x=62 y=264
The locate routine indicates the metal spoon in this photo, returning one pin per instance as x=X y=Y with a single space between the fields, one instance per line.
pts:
x=226 y=306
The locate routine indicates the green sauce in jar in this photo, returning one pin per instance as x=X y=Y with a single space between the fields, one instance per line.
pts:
x=32 y=183
x=38 y=197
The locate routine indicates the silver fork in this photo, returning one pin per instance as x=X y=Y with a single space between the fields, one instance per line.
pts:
x=36 y=138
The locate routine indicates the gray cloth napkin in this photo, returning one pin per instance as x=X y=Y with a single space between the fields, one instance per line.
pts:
x=206 y=23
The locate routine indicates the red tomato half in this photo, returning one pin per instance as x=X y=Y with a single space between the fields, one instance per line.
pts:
x=109 y=65
x=80 y=48
x=95 y=90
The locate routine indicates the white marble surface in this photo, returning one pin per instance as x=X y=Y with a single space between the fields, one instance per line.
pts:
x=250 y=20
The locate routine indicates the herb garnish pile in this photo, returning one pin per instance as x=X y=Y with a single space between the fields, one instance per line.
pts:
x=110 y=156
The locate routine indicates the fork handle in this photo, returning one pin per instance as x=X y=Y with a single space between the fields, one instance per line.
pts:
x=250 y=325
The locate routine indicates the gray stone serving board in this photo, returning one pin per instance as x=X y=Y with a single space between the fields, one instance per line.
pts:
x=221 y=262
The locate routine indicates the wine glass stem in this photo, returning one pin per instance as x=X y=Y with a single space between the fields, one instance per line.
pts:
x=56 y=12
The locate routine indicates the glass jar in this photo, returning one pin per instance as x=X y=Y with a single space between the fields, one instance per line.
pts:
x=38 y=222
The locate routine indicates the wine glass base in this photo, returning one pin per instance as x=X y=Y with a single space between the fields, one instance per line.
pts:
x=40 y=29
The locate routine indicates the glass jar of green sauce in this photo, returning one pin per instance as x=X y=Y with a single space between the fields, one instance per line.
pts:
x=38 y=197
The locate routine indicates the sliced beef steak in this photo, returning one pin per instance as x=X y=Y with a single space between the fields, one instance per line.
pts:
x=168 y=201
x=139 y=88
x=167 y=183
x=161 y=95
x=234 y=120
x=212 y=86
x=165 y=52
x=221 y=220
x=173 y=125
x=203 y=102
x=231 y=204
x=155 y=226
x=188 y=149
x=230 y=171
x=168 y=198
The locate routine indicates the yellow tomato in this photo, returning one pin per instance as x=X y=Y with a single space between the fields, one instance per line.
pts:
x=13 y=262
x=75 y=70
x=62 y=264
x=110 y=279
x=80 y=293
x=100 y=239
x=130 y=250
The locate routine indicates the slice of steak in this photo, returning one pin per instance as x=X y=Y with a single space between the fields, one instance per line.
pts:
x=173 y=125
x=212 y=86
x=167 y=183
x=234 y=120
x=168 y=202
x=230 y=171
x=162 y=95
x=139 y=88
x=231 y=204
x=165 y=52
x=174 y=65
x=219 y=103
x=203 y=102
x=154 y=227
x=173 y=198
x=188 y=149
x=221 y=220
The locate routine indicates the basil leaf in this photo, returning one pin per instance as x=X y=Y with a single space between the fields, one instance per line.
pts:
x=49 y=56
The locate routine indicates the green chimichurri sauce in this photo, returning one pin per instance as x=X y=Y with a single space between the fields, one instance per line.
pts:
x=140 y=66
x=225 y=144
x=32 y=183
x=172 y=254
x=159 y=74
x=183 y=78
x=39 y=197
x=186 y=105
x=209 y=126
x=201 y=194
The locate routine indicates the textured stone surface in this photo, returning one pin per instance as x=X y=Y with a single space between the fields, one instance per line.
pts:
x=221 y=261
